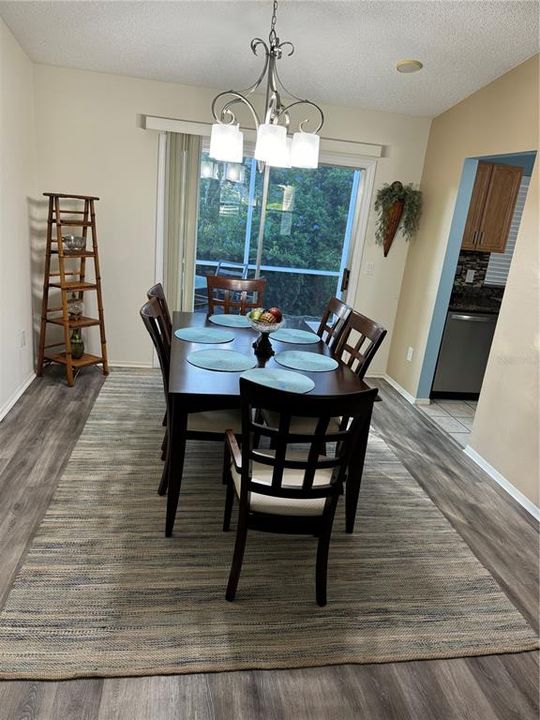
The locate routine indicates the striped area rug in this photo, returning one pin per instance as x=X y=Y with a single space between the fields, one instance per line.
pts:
x=102 y=592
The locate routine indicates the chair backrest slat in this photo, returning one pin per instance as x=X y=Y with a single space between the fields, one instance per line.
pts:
x=328 y=331
x=156 y=323
x=157 y=292
x=358 y=343
x=225 y=268
x=254 y=397
x=234 y=294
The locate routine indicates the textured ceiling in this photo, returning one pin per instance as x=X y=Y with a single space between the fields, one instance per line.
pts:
x=345 y=51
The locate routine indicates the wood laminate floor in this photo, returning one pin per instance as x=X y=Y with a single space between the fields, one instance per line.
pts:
x=36 y=439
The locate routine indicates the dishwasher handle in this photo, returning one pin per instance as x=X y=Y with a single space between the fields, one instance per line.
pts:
x=472 y=318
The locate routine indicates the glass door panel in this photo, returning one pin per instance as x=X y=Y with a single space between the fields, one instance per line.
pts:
x=307 y=236
x=307 y=233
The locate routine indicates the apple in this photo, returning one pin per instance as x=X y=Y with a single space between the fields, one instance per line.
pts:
x=268 y=318
x=276 y=312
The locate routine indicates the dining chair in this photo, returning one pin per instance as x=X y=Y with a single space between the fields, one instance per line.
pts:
x=286 y=490
x=358 y=343
x=158 y=292
x=208 y=425
x=357 y=354
x=234 y=294
x=329 y=331
x=224 y=268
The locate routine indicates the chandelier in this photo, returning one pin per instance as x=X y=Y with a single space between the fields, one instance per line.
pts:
x=274 y=146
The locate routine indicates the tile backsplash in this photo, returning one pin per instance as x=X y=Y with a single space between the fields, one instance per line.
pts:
x=477 y=261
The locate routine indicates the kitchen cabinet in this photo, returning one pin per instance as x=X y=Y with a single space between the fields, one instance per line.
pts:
x=492 y=206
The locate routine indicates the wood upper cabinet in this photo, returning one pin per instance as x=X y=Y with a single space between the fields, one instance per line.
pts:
x=492 y=206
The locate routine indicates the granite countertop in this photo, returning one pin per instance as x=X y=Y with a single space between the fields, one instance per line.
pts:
x=476 y=301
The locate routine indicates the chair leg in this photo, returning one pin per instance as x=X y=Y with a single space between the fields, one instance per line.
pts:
x=352 y=491
x=229 y=500
x=175 y=466
x=322 y=554
x=164 y=445
x=239 y=547
x=163 y=483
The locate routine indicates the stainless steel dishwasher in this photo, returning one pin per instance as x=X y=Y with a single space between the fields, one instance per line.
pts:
x=464 y=353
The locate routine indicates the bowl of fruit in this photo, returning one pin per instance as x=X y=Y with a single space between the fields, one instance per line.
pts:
x=266 y=321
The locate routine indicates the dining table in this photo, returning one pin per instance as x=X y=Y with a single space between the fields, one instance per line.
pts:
x=195 y=389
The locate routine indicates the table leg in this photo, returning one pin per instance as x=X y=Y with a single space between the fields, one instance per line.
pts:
x=177 y=422
x=354 y=480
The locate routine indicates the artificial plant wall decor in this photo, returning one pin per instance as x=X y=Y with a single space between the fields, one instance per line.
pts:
x=397 y=206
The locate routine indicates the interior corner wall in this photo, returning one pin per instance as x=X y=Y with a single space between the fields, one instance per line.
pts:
x=501 y=118
x=17 y=187
x=89 y=142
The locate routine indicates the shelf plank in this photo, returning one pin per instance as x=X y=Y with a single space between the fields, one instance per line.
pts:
x=71 y=197
x=75 y=285
x=72 y=222
x=84 y=361
x=81 y=322
x=81 y=254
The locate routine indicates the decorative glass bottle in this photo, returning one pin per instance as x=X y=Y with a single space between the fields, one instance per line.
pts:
x=77 y=344
x=75 y=306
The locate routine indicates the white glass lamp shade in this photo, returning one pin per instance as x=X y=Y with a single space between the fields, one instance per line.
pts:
x=235 y=173
x=282 y=159
x=226 y=143
x=271 y=142
x=305 y=150
x=209 y=170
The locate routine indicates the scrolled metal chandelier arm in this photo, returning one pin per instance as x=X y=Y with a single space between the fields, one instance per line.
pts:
x=226 y=112
x=273 y=123
x=285 y=113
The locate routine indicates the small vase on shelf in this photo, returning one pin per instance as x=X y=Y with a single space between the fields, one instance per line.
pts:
x=77 y=344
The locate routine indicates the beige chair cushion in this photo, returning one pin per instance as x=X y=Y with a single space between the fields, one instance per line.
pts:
x=283 y=506
x=215 y=421
x=299 y=424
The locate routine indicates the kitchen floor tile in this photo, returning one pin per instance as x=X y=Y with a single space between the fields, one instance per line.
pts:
x=449 y=424
x=434 y=410
x=467 y=421
x=457 y=408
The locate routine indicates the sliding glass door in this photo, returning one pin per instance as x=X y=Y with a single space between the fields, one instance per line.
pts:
x=307 y=234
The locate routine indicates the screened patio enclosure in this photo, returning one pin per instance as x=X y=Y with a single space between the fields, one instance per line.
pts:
x=307 y=233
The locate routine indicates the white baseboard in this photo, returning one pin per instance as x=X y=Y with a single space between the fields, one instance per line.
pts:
x=529 y=506
x=129 y=364
x=401 y=390
x=6 y=407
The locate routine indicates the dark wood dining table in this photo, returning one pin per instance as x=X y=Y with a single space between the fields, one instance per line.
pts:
x=194 y=389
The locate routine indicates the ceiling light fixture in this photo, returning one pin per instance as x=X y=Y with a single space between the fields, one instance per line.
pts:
x=409 y=66
x=273 y=146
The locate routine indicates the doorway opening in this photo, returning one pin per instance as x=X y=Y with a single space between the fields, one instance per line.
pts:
x=483 y=234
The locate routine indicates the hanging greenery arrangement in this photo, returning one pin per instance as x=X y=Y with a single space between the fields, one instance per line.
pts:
x=397 y=206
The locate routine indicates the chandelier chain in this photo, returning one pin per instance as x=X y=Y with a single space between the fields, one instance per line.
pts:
x=275 y=112
x=273 y=35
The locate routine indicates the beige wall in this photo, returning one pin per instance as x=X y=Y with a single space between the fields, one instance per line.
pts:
x=500 y=118
x=17 y=184
x=505 y=430
x=89 y=142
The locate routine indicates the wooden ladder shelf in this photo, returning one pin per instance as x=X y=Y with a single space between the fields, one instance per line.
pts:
x=68 y=281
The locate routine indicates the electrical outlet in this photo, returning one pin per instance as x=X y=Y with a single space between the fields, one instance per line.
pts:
x=22 y=338
x=370 y=267
x=469 y=277
x=410 y=353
